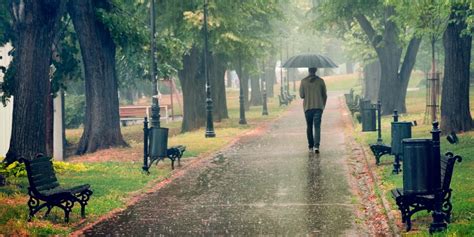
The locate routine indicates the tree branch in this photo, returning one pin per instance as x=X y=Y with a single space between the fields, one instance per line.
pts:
x=368 y=29
x=410 y=58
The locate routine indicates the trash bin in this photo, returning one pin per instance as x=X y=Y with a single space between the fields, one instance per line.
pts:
x=158 y=142
x=368 y=116
x=349 y=99
x=419 y=167
x=400 y=131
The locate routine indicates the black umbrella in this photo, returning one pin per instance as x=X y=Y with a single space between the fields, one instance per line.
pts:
x=309 y=60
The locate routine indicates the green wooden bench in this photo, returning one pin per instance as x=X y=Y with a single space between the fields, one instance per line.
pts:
x=45 y=191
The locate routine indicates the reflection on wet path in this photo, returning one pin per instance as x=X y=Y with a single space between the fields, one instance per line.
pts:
x=266 y=185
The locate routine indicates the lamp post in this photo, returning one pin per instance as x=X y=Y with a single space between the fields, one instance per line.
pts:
x=155 y=107
x=209 y=124
x=438 y=216
x=242 y=119
x=264 y=90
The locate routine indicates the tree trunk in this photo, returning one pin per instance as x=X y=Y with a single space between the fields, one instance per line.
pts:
x=245 y=86
x=49 y=126
x=35 y=24
x=271 y=76
x=102 y=121
x=349 y=67
x=393 y=84
x=228 y=74
x=217 y=72
x=194 y=95
x=372 y=81
x=256 y=94
x=455 y=110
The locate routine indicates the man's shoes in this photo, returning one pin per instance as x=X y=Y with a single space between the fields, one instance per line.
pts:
x=316 y=150
x=310 y=151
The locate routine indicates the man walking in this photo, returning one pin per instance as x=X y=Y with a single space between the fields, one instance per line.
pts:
x=314 y=95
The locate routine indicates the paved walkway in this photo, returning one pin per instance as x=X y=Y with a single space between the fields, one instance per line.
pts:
x=264 y=185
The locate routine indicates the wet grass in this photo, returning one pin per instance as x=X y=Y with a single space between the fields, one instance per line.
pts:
x=115 y=182
x=462 y=181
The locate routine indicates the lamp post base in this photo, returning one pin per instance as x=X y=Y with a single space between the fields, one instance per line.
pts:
x=210 y=134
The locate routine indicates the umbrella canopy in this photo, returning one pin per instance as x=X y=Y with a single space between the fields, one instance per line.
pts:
x=309 y=60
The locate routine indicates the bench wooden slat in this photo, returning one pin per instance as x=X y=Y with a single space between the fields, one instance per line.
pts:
x=45 y=187
x=47 y=179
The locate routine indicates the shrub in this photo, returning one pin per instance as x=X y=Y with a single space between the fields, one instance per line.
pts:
x=74 y=107
x=17 y=169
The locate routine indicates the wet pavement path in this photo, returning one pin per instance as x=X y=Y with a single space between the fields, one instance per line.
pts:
x=266 y=184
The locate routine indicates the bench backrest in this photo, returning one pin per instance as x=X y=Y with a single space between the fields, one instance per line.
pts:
x=41 y=174
x=139 y=111
x=447 y=168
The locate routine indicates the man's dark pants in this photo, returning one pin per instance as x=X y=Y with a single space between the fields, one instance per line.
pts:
x=313 y=119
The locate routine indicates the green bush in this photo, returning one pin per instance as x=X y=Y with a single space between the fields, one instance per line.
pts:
x=74 y=106
x=17 y=169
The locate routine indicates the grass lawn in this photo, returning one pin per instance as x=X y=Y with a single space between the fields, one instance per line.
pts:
x=115 y=174
x=462 y=181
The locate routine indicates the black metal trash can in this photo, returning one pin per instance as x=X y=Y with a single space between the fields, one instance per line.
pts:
x=368 y=116
x=419 y=167
x=158 y=142
x=400 y=131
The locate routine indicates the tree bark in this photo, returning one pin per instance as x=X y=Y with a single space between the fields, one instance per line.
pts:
x=455 y=110
x=217 y=74
x=271 y=76
x=35 y=24
x=393 y=84
x=372 y=81
x=229 y=78
x=49 y=126
x=194 y=95
x=255 y=95
x=245 y=86
x=102 y=121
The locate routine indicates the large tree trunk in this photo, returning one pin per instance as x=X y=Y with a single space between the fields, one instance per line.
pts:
x=394 y=83
x=217 y=73
x=102 y=121
x=455 y=110
x=270 y=76
x=194 y=94
x=35 y=24
x=255 y=95
x=372 y=81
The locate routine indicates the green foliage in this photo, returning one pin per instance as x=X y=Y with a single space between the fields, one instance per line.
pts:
x=17 y=169
x=74 y=107
x=5 y=28
x=66 y=57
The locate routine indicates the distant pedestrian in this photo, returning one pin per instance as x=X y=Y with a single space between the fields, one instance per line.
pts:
x=314 y=95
